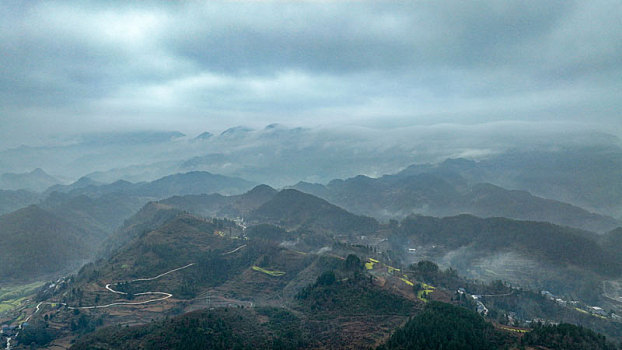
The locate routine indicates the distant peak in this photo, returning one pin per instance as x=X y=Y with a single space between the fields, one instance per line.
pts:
x=204 y=136
x=262 y=189
x=236 y=130
x=38 y=171
x=274 y=126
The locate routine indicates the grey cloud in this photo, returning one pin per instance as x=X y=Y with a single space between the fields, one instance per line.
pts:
x=178 y=65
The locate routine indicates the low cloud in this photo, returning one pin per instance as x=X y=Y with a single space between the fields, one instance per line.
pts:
x=85 y=66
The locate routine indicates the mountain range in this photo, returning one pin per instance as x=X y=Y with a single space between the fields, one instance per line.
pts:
x=36 y=181
x=445 y=192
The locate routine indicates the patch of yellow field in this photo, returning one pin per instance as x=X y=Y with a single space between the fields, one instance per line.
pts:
x=514 y=329
x=268 y=272
x=426 y=289
x=427 y=286
x=407 y=281
x=370 y=264
x=392 y=269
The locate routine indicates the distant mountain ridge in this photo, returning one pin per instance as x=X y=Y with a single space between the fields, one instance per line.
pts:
x=194 y=182
x=36 y=180
x=587 y=177
x=217 y=205
x=431 y=191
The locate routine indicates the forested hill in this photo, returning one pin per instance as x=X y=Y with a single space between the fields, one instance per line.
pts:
x=35 y=242
x=554 y=244
x=294 y=208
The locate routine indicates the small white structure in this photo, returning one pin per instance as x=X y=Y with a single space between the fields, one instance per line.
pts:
x=598 y=310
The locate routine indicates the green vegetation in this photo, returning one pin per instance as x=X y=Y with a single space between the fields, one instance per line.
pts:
x=567 y=337
x=216 y=329
x=557 y=245
x=35 y=242
x=347 y=292
x=35 y=334
x=11 y=296
x=268 y=232
x=444 y=326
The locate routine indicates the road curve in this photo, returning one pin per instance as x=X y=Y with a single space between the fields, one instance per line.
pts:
x=235 y=250
x=163 y=296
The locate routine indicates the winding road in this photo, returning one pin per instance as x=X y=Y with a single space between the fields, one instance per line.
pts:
x=235 y=250
x=163 y=296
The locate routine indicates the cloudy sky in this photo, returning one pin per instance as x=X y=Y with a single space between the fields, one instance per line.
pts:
x=70 y=67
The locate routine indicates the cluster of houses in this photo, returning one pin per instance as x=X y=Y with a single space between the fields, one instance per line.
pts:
x=594 y=310
x=480 y=307
x=9 y=330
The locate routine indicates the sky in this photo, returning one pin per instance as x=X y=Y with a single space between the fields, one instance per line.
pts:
x=75 y=67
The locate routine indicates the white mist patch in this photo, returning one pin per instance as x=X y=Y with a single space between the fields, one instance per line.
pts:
x=289 y=244
x=324 y=250
x=506 y=266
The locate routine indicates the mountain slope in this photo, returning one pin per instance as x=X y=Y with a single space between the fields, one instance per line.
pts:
x=13 y=200
x=148 y=218
x=35 y=242
x=537 y=255
x=101 y=214
x=292 y=208
x=546 y=241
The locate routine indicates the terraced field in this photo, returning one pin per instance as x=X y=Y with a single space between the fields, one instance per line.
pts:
x=12 y=297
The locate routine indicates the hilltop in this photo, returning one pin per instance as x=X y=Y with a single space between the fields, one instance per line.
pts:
x=292 y=208
x=36 y=181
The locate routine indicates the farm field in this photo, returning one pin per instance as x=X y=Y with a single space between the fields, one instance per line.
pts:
x=273 y=273
x=12 y=297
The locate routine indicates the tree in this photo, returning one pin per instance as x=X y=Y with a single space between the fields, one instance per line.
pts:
x=353 y=263
x=326 y=279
